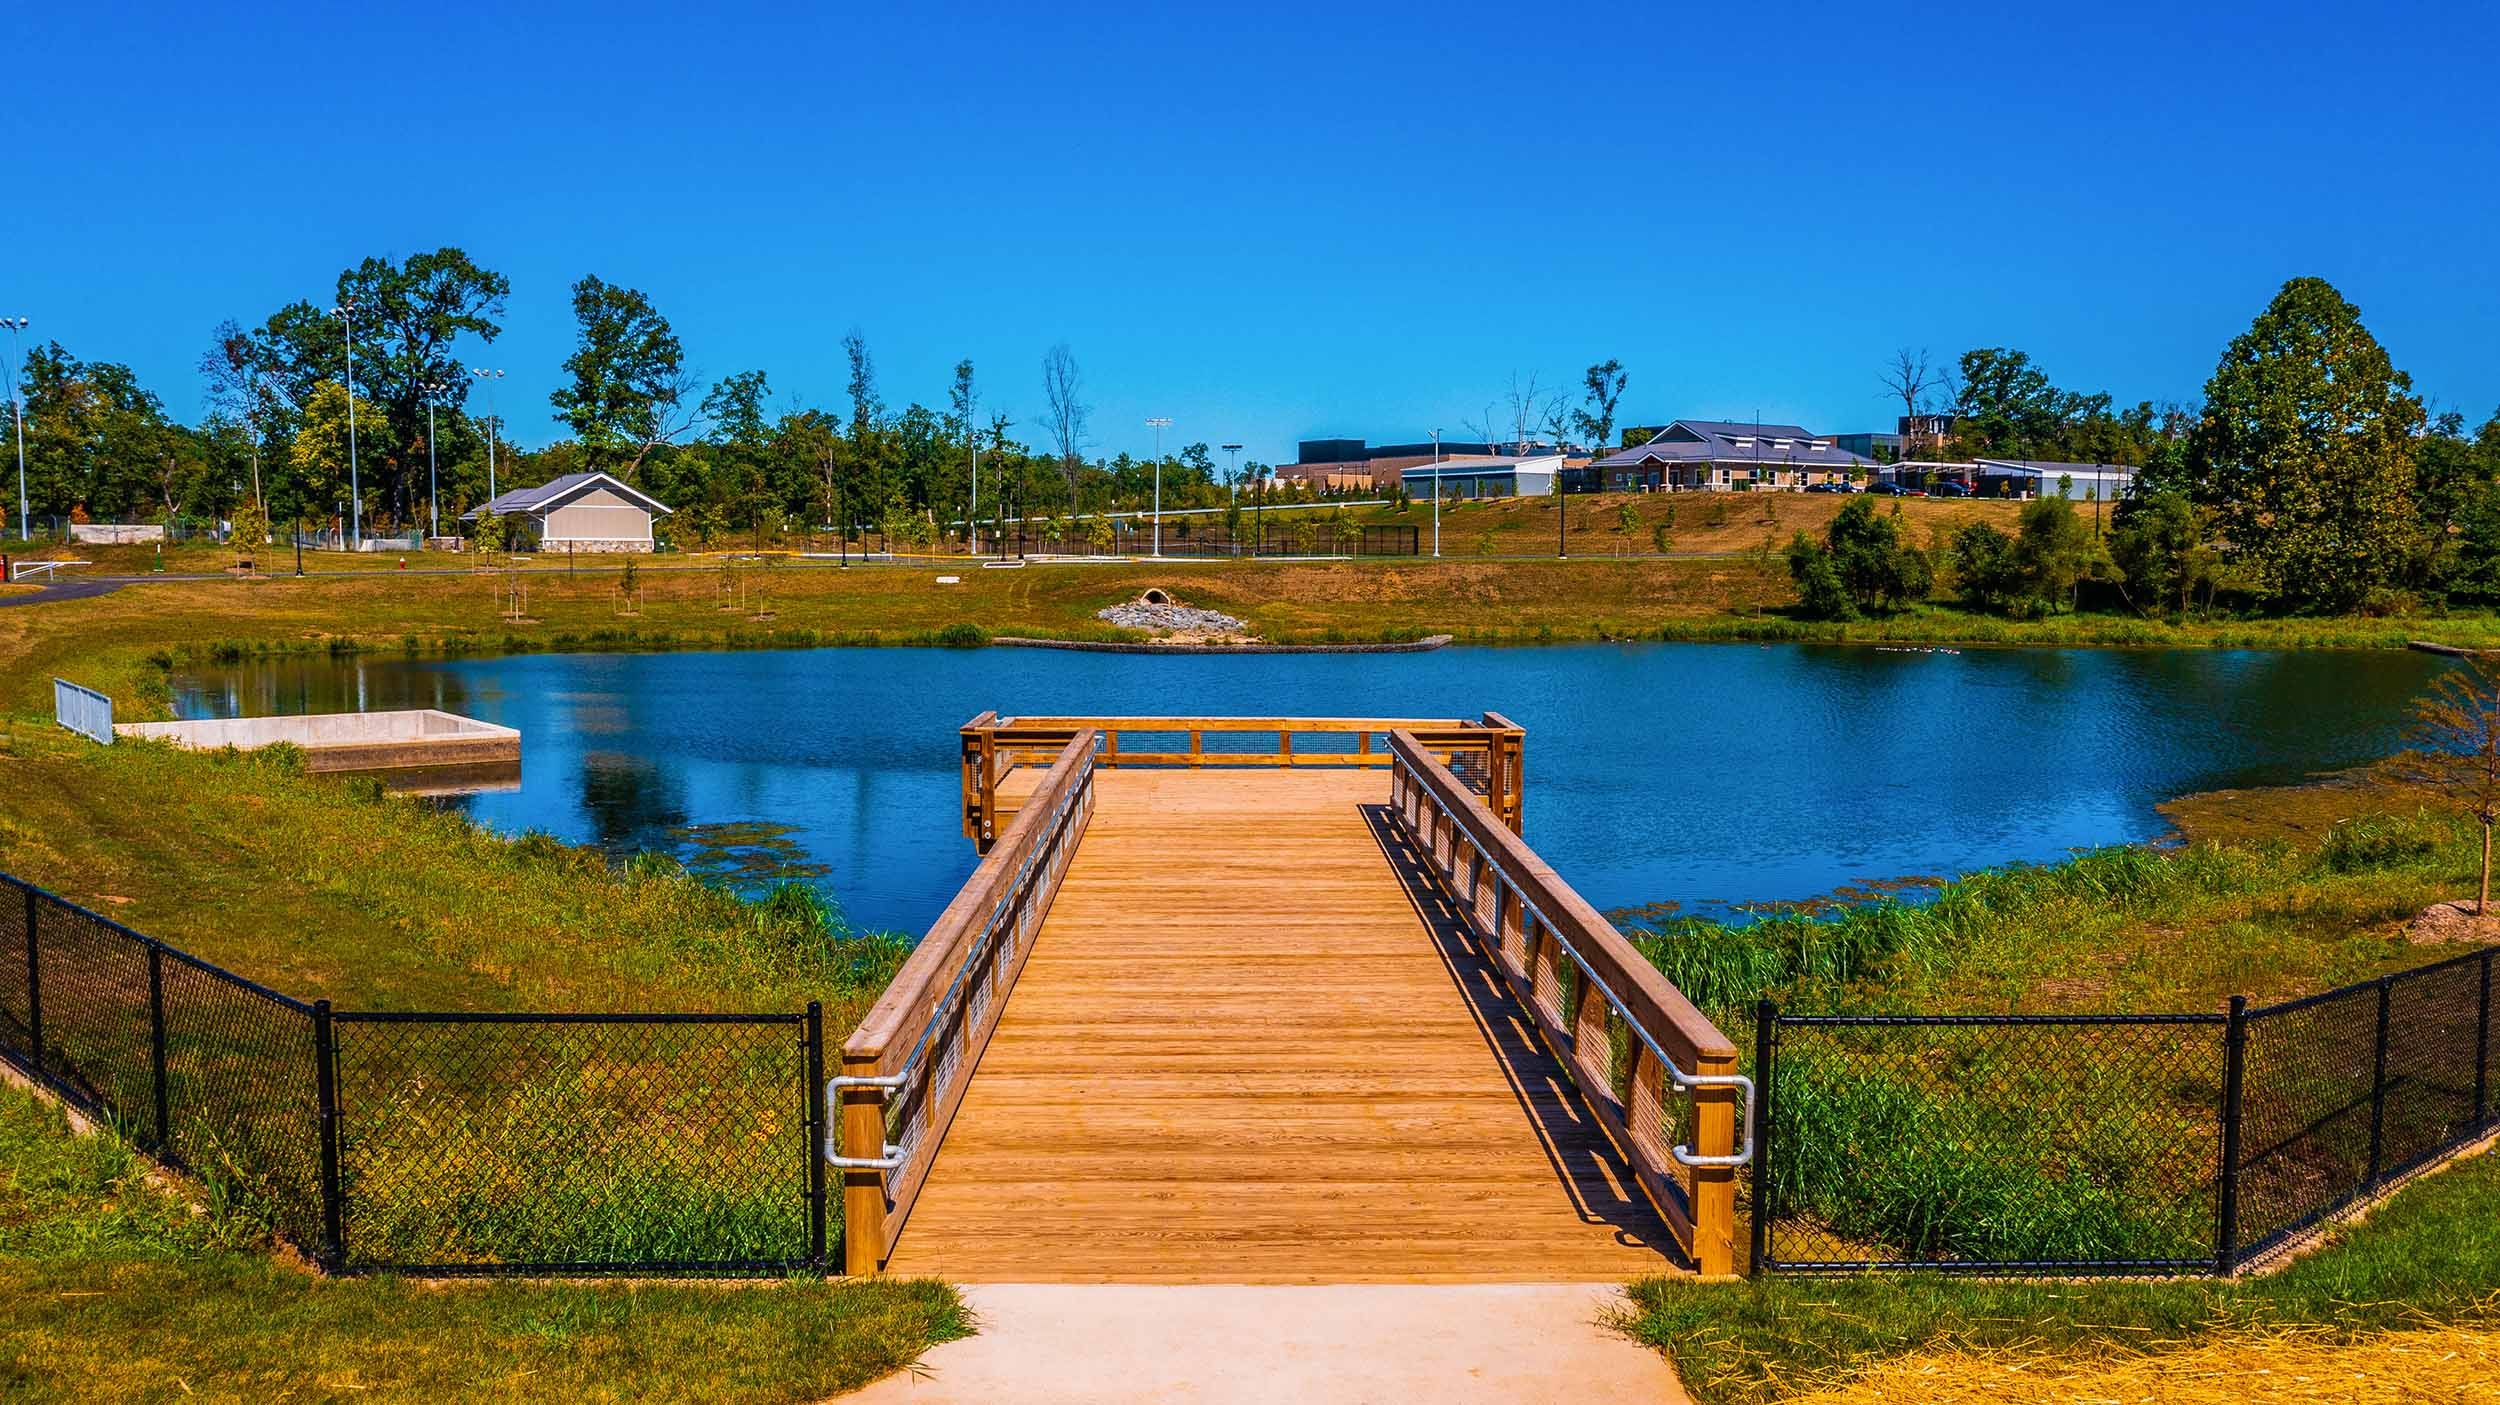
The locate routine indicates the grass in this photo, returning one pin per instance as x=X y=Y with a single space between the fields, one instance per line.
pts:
x=112 y=1288
x=2431 y=1254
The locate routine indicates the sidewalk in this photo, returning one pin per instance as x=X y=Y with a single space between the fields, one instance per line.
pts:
x=1519 y=1344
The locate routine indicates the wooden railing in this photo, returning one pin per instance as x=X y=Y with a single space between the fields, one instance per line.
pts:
x=1489 y=753
x=905 y=1068
x=1657 y=1073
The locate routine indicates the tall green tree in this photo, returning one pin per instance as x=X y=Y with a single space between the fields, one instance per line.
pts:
x=2305 y=452
x=1601 y=389
x=629 y=387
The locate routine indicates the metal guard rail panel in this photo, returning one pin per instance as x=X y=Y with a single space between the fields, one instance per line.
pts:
x=905 y=1069
x=1543 y=936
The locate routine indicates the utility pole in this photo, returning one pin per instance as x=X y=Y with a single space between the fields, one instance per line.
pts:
x=1159 y=423
x=346 y=313
x=1234 y=450
x=17 y=412
x=1436 y=495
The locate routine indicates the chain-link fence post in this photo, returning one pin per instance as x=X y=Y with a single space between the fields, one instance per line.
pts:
x=2227 y=1193
x=326 y=1091
x=2378 y=1082
x=812 y=1120
x=1766 y=1017
x=34 y=989
x=156 y=1042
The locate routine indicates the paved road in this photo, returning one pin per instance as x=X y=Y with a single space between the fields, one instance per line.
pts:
x=65 y=590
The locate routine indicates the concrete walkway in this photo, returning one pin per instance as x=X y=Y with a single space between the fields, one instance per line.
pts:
x=1517 y=1344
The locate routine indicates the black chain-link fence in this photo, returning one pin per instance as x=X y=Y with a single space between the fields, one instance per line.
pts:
x=2133 y=1144
x=1200 y=537
x=437 y=1143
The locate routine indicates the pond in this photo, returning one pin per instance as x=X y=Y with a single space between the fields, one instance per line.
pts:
x=1703 y=775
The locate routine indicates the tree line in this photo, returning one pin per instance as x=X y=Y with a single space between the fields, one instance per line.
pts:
x=2311 y=479
x=732 y=456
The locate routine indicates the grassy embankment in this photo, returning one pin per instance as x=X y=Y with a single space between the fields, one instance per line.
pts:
x=2273 y=893
x=112 y=1288
x=125 y=641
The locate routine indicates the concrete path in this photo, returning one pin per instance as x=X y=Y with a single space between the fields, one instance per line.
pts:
x=1517 y=1344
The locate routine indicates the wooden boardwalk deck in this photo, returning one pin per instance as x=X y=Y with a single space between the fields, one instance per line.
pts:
x=1250 y=1047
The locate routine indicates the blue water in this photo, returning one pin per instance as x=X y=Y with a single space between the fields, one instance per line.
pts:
x=1702 y=775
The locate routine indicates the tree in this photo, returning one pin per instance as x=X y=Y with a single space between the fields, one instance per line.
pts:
x=2453 y=750
x=2305 y=451
x=2160 y=546
x=1984 y=568
x=243 y=391
x=1063 y=391
x=1909 y=378
x=1862 y=564
x=1601 y=389
x=319 y=453
x=629 y=381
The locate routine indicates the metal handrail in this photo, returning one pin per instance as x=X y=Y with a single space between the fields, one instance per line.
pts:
x=976 y=950
x=1682 y=1081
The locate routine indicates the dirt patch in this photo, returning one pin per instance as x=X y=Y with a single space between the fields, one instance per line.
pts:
x=2443 y=923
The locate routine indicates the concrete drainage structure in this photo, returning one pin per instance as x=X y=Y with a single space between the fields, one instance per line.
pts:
x=350 y=741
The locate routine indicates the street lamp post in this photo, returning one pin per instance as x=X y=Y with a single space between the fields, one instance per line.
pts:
x=1159 y=423
x=346 y=313
x=17 y=412
x=433 y=494
x=488 y=379
x=1436 y=495
x=1235 y=522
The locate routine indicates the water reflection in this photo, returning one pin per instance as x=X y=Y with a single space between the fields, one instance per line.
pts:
x=1694 y=774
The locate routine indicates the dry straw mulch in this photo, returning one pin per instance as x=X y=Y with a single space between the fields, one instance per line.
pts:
x=2425 y=1366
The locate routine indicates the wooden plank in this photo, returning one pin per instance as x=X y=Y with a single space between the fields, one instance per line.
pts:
x=1247 y=1048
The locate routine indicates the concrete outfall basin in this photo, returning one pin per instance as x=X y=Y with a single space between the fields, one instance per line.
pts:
x=349 y=741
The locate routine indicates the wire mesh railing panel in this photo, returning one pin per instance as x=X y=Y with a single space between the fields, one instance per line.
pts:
x=632 y=1143
x=98 y=1036
x=242 y=1108
x=2088 y=1145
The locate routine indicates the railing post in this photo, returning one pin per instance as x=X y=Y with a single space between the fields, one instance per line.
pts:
x=156 y=1040
x=2227 y=1194
x=812 y=1106
x=34 y=989
x=1715 y=1112
x=1766 y=1016
x=863 y=1191
x=326 y=1093
x=2482 y=1044
x=2378 y=1082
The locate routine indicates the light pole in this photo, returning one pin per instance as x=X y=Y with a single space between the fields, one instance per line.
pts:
x=17 y=412
x=1436 y=495
x=346 y=313
x=488 y=379
x=1235 y=451
x=1159 y=423
x=433 y=496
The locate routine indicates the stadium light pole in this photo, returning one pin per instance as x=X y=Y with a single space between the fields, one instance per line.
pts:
x=433 y=479
x=1235 y=451
x=488 y=379
x=1436 y=495
x=17 y=412
x=1158 y=424
x=346 y=313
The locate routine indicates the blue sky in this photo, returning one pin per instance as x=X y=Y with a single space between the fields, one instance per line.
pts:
x=1273 y=222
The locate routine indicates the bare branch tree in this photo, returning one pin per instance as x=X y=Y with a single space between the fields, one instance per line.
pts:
x=1063 y=390
x=1909 y=378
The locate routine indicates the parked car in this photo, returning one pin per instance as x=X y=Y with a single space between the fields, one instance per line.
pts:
x=1827 y=487
x=1950 y=488
x=1894 y=490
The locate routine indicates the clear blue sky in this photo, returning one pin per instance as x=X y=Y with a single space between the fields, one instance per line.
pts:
x=1271 y=222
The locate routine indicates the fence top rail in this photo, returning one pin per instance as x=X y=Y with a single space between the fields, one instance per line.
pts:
x=560 y=1017
x=2393 y=978
x=893 y=1027
x=175 y=953
x=1653 y=1000
x=1896 y=1021
x=1233 y=724
x=79 y=688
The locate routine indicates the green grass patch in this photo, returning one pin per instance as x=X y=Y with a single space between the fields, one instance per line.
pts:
x=112 y=1288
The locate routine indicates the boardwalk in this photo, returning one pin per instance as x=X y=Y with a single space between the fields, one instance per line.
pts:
x=1251 y=1046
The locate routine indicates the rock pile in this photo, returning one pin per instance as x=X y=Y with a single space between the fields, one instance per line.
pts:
x=1138 y=614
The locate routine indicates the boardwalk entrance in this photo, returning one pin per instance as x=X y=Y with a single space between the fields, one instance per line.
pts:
x=1199 y=1023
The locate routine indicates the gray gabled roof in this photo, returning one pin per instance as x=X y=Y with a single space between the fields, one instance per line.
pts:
x=556 y=492
x=1717 y=444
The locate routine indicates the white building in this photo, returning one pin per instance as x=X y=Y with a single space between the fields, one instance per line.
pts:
x=581 y=512
x=2099 y=482
x=1486 y=476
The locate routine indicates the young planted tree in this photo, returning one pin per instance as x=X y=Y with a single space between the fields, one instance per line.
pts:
x=2453 y=749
